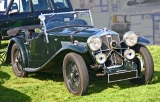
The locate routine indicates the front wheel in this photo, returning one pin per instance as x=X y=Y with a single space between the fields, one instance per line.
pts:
x=75 y=74
x=145 y=65
x=17 y=61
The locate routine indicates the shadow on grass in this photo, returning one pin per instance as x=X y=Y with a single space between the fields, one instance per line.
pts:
x=47 y=76
x=98 y=86
x=10 y=95
x=3 y=48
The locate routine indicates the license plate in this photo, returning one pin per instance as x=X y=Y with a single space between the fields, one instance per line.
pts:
x=125 y=75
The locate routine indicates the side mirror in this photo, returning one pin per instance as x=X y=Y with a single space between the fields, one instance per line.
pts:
x=13 y=11
x=14 y=8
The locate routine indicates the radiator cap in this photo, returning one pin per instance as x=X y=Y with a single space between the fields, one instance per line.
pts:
x=105 y=29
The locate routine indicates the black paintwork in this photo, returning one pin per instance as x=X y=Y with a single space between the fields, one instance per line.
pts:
x=8 y=21
x=37 y=54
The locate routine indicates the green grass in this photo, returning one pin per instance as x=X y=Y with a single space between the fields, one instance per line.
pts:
x=44 y=87
x=3 y=48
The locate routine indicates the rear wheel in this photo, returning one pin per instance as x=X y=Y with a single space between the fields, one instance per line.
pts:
x=17 y=61
x=145 y=65
x=75 y=74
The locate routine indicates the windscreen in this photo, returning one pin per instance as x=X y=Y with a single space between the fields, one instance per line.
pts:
x=75 y=19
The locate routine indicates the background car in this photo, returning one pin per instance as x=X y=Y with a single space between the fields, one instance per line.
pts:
x=67 y=43
x=16 y=13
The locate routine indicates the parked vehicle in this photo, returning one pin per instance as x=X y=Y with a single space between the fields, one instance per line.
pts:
x=16 y=13
x=68 y=43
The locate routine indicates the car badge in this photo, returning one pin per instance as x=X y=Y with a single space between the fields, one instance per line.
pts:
x=108 y=36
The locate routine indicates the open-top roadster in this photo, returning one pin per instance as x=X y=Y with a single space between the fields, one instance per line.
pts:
x=67 y=42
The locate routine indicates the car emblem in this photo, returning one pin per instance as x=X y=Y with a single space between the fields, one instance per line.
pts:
x=108 y=36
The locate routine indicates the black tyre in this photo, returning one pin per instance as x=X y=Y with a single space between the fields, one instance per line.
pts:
x=75 y=74
x=17 y=61
x=146 y=68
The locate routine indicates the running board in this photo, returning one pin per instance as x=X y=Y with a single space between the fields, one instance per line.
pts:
x=122 y=75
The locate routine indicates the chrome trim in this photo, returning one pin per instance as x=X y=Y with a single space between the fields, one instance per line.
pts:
x=113 y=41
x=90 y=38
x=32 y=69
x=102 y=33
x=65 y=43
x=125 y=36
x=52 y=14
x=127 y=53
x=110 y=49
x=140 y=62
x=91 y=17
x=115 y=66
x=71 y=12
x=45 y=30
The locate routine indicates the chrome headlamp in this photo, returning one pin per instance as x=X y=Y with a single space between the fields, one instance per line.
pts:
x=129 y=54
x=130 y=38
x=94 y=43
x=101 y=58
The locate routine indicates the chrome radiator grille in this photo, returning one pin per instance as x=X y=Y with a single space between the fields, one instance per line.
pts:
x=113 y=58
x=106 y=39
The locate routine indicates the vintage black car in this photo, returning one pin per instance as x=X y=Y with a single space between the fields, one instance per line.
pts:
x=67 y=43
x=16 y=13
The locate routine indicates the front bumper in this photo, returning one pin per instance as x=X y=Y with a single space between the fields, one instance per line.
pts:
x=120 y=72
x=127 y=71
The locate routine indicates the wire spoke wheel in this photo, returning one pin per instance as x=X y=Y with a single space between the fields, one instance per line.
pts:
x=145 y=65
x=75 y=74
x=17 y=61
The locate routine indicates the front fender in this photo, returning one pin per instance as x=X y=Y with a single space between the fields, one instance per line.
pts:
x=143 y=39
x=79 y=49
x=140 y=40
x=57 y=58
x=20 y=42
x=70 y=48
x=75 y=48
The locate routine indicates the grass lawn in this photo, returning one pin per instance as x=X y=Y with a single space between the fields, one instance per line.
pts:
x=44 y=87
